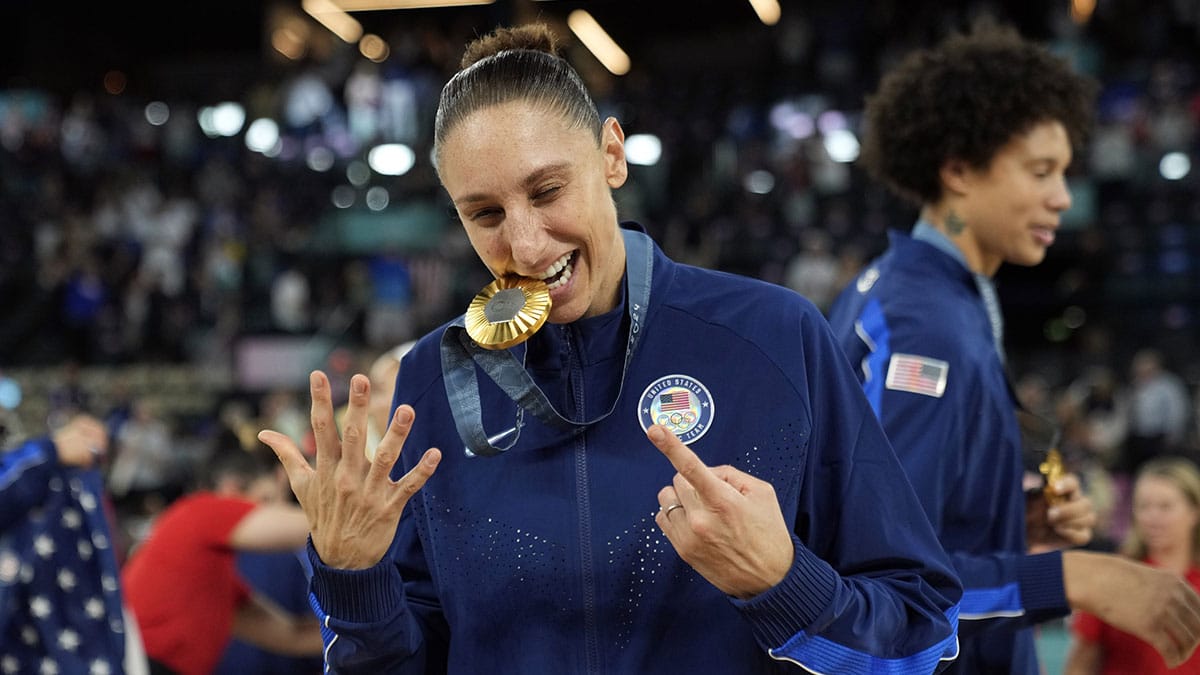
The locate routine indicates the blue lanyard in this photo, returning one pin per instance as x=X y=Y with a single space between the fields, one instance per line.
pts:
x=460 y=355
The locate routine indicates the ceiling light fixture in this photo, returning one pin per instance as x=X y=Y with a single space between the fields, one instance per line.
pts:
x=768 y=11
x=373 y=5
x=328 y=14
x=598 y=41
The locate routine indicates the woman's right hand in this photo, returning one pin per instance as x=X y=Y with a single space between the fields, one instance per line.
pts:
x=352 y=504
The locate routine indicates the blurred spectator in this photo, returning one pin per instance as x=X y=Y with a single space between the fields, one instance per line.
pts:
x=182 y=584
x=60 y=602
x=1102 y=407
x=68 y=396
x=815 y=272
x=83 y=298
x=281 y=577
x=389 y=312
x=1166 y=534
x=382 y=374
x=1158 y=412
x=146 y=464
x=290 y=301
x=280 y=409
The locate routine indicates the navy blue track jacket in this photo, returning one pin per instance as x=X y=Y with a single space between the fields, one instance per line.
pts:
x=547 y=559
x=917 y=332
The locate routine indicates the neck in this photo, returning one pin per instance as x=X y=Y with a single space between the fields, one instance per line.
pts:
x=949 y=221
x=1176 y=559
x=614 y=274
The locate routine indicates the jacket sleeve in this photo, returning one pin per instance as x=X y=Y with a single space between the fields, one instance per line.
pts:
x=1000 y=588
x=25 y=475
x=870 y=589
x=945 y=445
x=388 y=619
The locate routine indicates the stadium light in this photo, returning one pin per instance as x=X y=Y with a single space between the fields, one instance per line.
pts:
x=597 y=40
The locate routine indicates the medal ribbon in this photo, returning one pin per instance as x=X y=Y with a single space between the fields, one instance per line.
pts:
x=460 y=355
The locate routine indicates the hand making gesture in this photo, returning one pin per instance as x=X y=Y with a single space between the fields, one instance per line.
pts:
x=352 y=503
x=723 y=522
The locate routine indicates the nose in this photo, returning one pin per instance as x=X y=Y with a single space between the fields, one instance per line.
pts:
x=1060 y=199
x=527 y=240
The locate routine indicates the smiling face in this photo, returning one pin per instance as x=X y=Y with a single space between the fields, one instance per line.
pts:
x=1012 y=207
x=534 y=195
x=1163 y=516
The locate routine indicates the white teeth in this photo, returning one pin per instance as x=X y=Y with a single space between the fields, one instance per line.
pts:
x=556 y=267
x=566 y=276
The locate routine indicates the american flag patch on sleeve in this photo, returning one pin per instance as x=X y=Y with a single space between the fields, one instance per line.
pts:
x=917 y=374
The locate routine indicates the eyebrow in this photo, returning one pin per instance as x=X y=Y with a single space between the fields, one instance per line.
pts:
x=529 y=181
x=1047 y=162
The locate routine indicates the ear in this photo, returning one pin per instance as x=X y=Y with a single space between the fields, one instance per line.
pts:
x=955 y=175
x=612 y=144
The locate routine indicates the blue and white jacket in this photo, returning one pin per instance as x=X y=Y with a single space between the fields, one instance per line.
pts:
x=917 y=331
x=547 y=559
x=60 y=602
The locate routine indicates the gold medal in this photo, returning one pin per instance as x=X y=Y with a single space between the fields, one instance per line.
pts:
x=507 y=312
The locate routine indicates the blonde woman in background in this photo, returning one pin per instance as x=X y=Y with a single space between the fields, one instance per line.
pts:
x=1166 y=534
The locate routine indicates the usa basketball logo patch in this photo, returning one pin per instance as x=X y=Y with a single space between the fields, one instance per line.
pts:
x=680 y=403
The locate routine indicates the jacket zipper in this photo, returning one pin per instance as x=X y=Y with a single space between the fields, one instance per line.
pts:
x=583 y=497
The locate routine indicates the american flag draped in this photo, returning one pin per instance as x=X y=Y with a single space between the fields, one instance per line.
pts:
x=60 y=604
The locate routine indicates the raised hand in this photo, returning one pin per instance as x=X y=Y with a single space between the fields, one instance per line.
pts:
x=81 y=441
x=352 y=503
x=723 y=522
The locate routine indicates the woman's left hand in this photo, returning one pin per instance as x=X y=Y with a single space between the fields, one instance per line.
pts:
x=723 y=522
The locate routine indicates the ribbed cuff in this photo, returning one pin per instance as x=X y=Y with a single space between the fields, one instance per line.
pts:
x=792 y=605
x=356 y=596
x=1043 y=593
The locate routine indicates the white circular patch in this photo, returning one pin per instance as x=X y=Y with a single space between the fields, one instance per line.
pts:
x=680 y=403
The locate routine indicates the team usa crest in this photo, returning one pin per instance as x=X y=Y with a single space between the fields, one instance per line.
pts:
x=680 y=403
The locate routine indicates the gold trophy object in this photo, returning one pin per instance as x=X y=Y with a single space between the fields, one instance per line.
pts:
x=507 y=312
x=1053 y=469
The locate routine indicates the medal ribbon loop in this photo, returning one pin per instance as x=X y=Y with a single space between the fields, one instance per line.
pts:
x=460 y=355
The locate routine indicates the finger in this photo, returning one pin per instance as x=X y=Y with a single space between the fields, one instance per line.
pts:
x=93 y=430
x=289 y=455
x=689 y=466
x=1187 y=649
x=1171 y=643
x=417 y=476
x=1078 y=513
x=739 y=480
x=1068 y=487
x=1075 y=536
x=329 y=445
x=667 y=497
x=1181 y=628
x=354 y=423
x=391 y=445
x=1190 y=620
x=686 y=493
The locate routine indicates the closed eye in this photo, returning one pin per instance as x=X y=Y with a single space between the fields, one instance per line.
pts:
x=485 y=214
x=547 y=193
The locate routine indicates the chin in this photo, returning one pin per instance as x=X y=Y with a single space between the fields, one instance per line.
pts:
x=565 y=314
x=1031 y=259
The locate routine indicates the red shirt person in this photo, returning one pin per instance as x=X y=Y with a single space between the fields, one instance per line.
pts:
x=1166 y=534
x=182 y=583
